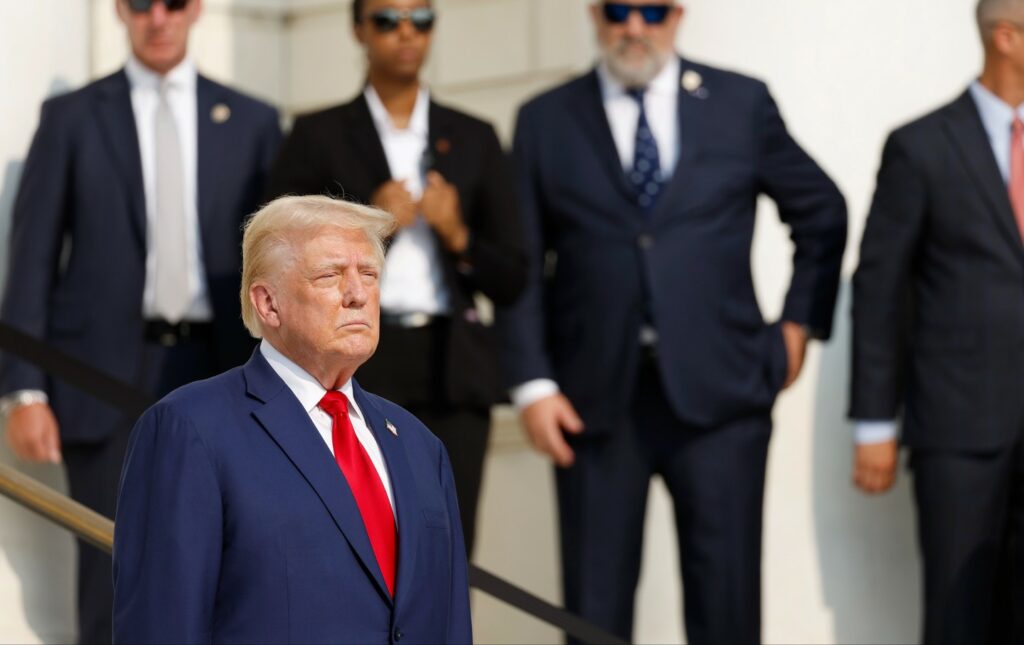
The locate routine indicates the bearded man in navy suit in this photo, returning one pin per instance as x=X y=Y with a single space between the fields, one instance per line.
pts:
x=279 y=501
x=124 y=254
x=638 y=348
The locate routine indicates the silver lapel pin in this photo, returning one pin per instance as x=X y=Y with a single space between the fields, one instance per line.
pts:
x=693 y=83
x=220 y=113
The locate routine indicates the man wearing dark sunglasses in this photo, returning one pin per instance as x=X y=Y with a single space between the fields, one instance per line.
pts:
x=641 y=349
x=125 y=253
x=442 y=173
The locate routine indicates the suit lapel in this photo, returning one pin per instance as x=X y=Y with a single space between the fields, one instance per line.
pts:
x=964 y=127
x=287 y=423
x=593 y=118
x=439 y=141
x=214 y=142
x=402 y=486
x=117 y=121
x=362 y=132
x=689 y=109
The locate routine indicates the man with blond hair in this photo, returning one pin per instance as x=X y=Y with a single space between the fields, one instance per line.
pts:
x=279 y=501
x=938 y=340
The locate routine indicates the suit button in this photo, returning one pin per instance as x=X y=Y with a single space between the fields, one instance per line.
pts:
x=644 y=241
x=398 y=634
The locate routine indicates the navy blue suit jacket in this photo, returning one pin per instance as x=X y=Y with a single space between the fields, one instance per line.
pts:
x=938 y=312
x=77 y=261
x=599 y=264
x=235 y=524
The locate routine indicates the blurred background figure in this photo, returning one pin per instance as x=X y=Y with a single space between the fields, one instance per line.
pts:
x=938 y=317
x=443 y=174
x=125 y=253
x=641 y=350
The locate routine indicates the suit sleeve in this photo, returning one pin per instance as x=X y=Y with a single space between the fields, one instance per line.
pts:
x=167 y=540
x=495 y=254
x=812 y=206
x=38 y=225
x=460 y=627
x=882 y=285
x=297 y=169
x=521 y=325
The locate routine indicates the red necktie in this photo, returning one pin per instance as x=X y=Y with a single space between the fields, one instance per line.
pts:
x=1017 y=173
x=367 y=488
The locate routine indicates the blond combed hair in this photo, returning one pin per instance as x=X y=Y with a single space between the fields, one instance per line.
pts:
x=267 y=245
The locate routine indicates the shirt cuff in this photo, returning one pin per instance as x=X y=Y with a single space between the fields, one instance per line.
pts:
x=866 y=432
x=19 y=398
x=528 y=393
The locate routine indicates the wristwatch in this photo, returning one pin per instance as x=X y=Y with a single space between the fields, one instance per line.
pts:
x=20 y=398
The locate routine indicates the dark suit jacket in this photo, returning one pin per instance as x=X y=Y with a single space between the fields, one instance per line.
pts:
x=235 y=525
x=687 y=263
x=338 y=151
x=78 y=240
x=938 y=301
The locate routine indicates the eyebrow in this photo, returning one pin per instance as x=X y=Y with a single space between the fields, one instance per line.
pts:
x=342 y=264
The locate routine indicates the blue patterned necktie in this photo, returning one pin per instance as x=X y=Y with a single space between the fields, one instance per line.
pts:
x=645 y=175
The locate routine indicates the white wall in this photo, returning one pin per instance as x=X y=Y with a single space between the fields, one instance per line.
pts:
x=838 y=567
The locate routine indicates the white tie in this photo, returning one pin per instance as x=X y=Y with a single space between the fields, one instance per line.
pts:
x=169 y=237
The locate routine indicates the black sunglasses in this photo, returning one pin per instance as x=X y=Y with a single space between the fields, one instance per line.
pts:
x=142 y=6
x=653 y=14
x=385 y=20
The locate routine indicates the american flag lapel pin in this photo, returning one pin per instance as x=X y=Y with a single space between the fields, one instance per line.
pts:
x=390 y=426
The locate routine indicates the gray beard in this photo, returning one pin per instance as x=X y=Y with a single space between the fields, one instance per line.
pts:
x=631 y=74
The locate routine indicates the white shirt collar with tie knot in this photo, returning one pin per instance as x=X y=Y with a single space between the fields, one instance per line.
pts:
x=182 y=77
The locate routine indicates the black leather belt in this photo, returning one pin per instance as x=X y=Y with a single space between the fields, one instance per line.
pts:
x=171 y=334
x=410 y=321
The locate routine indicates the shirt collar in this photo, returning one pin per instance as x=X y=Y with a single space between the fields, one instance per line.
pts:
x=996 y=114
x=666 y=83
x=306 y=389
x=139 y=76
x=418 y=122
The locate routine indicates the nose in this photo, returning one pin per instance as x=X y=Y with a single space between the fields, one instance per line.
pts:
x=405 y=29
x=635 y=25
x=158 y=12
x=355 y=293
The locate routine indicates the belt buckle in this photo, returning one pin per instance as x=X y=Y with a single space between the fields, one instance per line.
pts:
x=168 y=339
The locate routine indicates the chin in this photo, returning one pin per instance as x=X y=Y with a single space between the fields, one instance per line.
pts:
x=161 y=57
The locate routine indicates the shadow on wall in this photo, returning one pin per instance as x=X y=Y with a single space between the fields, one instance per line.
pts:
x=867 y=545
x=42 y=558
x=8 y=190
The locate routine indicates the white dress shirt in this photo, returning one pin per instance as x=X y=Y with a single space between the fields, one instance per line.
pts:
x=309 y=392
x=145 y=97
x=997 y=118
x=661 y=106
x=413 y=281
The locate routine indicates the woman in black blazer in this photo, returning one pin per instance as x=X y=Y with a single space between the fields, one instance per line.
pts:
x=444 y=176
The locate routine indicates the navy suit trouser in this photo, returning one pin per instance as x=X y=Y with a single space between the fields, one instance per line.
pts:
x=716 y=479
x=970 y=514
